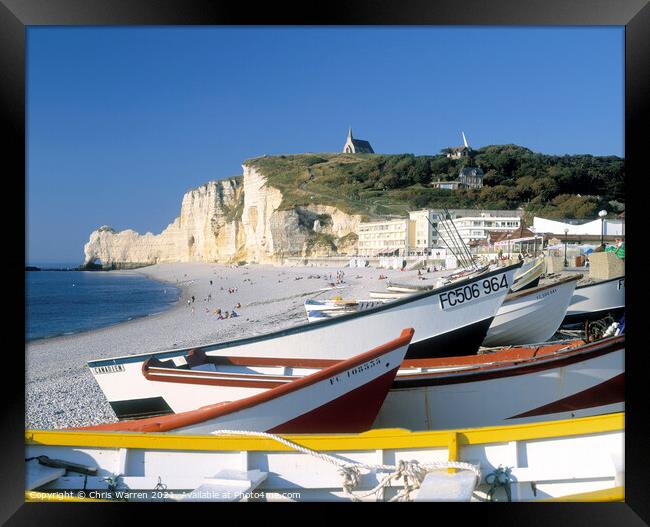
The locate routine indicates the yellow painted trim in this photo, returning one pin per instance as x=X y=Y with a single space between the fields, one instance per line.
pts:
x=453 y=450
x=32 y=496
x=389 y=438
x=613 y=494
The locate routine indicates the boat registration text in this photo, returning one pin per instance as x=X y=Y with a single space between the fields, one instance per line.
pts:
x=473 y=291
x=114 y=368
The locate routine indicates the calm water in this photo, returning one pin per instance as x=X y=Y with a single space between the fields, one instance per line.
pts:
x=62 y=302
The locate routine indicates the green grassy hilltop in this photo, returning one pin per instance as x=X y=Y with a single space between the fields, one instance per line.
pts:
x=575 y=186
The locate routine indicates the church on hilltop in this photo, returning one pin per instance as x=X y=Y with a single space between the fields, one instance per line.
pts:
x=356 y=146
x=458 y=152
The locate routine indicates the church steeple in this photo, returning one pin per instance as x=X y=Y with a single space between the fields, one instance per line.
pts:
x=356 y=146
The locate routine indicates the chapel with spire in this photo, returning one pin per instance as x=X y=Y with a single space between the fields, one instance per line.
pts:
x=356 y=146
x=456 y=152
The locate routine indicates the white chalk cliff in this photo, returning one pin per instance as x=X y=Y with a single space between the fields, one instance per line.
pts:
x=230 y=220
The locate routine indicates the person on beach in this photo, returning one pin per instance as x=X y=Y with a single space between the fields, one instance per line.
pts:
x=192 y=299
x=189 y=302
x=238 y=305
x=226 y=315
x=233 y=314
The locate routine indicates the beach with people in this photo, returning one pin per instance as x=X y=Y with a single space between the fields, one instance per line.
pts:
x=218 y=303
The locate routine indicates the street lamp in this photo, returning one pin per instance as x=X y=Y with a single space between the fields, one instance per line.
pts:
x=602 y=215
x=566 y=233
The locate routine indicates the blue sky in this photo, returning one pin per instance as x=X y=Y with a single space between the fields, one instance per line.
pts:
x=122 y=121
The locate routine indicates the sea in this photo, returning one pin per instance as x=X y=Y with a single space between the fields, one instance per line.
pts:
x=65 y=302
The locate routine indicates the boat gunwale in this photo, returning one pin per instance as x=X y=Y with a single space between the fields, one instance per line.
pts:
x=532 y=268
x=454 y=370
x=386 y=438
x=515 y=367
x=593 y=284
x=525 y=292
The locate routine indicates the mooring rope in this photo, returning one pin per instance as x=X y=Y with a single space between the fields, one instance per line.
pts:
x=412 y=472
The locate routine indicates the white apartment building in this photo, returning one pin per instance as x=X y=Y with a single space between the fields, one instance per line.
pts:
x=426 y=230
x=476 y=226
x=383 y=237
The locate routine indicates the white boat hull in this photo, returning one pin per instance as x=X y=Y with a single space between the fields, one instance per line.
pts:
x=532 y=316
x=555 y=389
x=594 y=301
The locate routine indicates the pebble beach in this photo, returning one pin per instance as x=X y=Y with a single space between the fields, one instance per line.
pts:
x=60 y=391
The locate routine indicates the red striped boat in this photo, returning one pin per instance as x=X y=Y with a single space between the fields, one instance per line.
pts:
x=343 y=397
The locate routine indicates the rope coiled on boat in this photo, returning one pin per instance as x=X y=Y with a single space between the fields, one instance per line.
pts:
x=412 y=472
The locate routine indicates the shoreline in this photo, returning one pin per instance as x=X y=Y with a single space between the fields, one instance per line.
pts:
x=60 y=392
x=136 y=317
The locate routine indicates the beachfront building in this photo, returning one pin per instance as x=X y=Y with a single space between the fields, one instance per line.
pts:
x=383 y=238
x=523 y=240
x=356 y=146
x=474 y=226
x=423 y=233
x=426 y=230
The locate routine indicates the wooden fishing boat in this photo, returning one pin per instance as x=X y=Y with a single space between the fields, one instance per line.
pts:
x=449 y=321
x=526 y=317
x=400 y=287
x=531 y=315
x=510 y=385
x=551 y=460
x=186 y=382
x=414 y=288
x=529 y=275
x=339 y=305
x=344 y=397
x=596 y=300
x=389 y=295
x=336 y=307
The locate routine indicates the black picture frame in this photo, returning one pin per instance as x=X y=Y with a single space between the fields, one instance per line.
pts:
x=17 y=15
